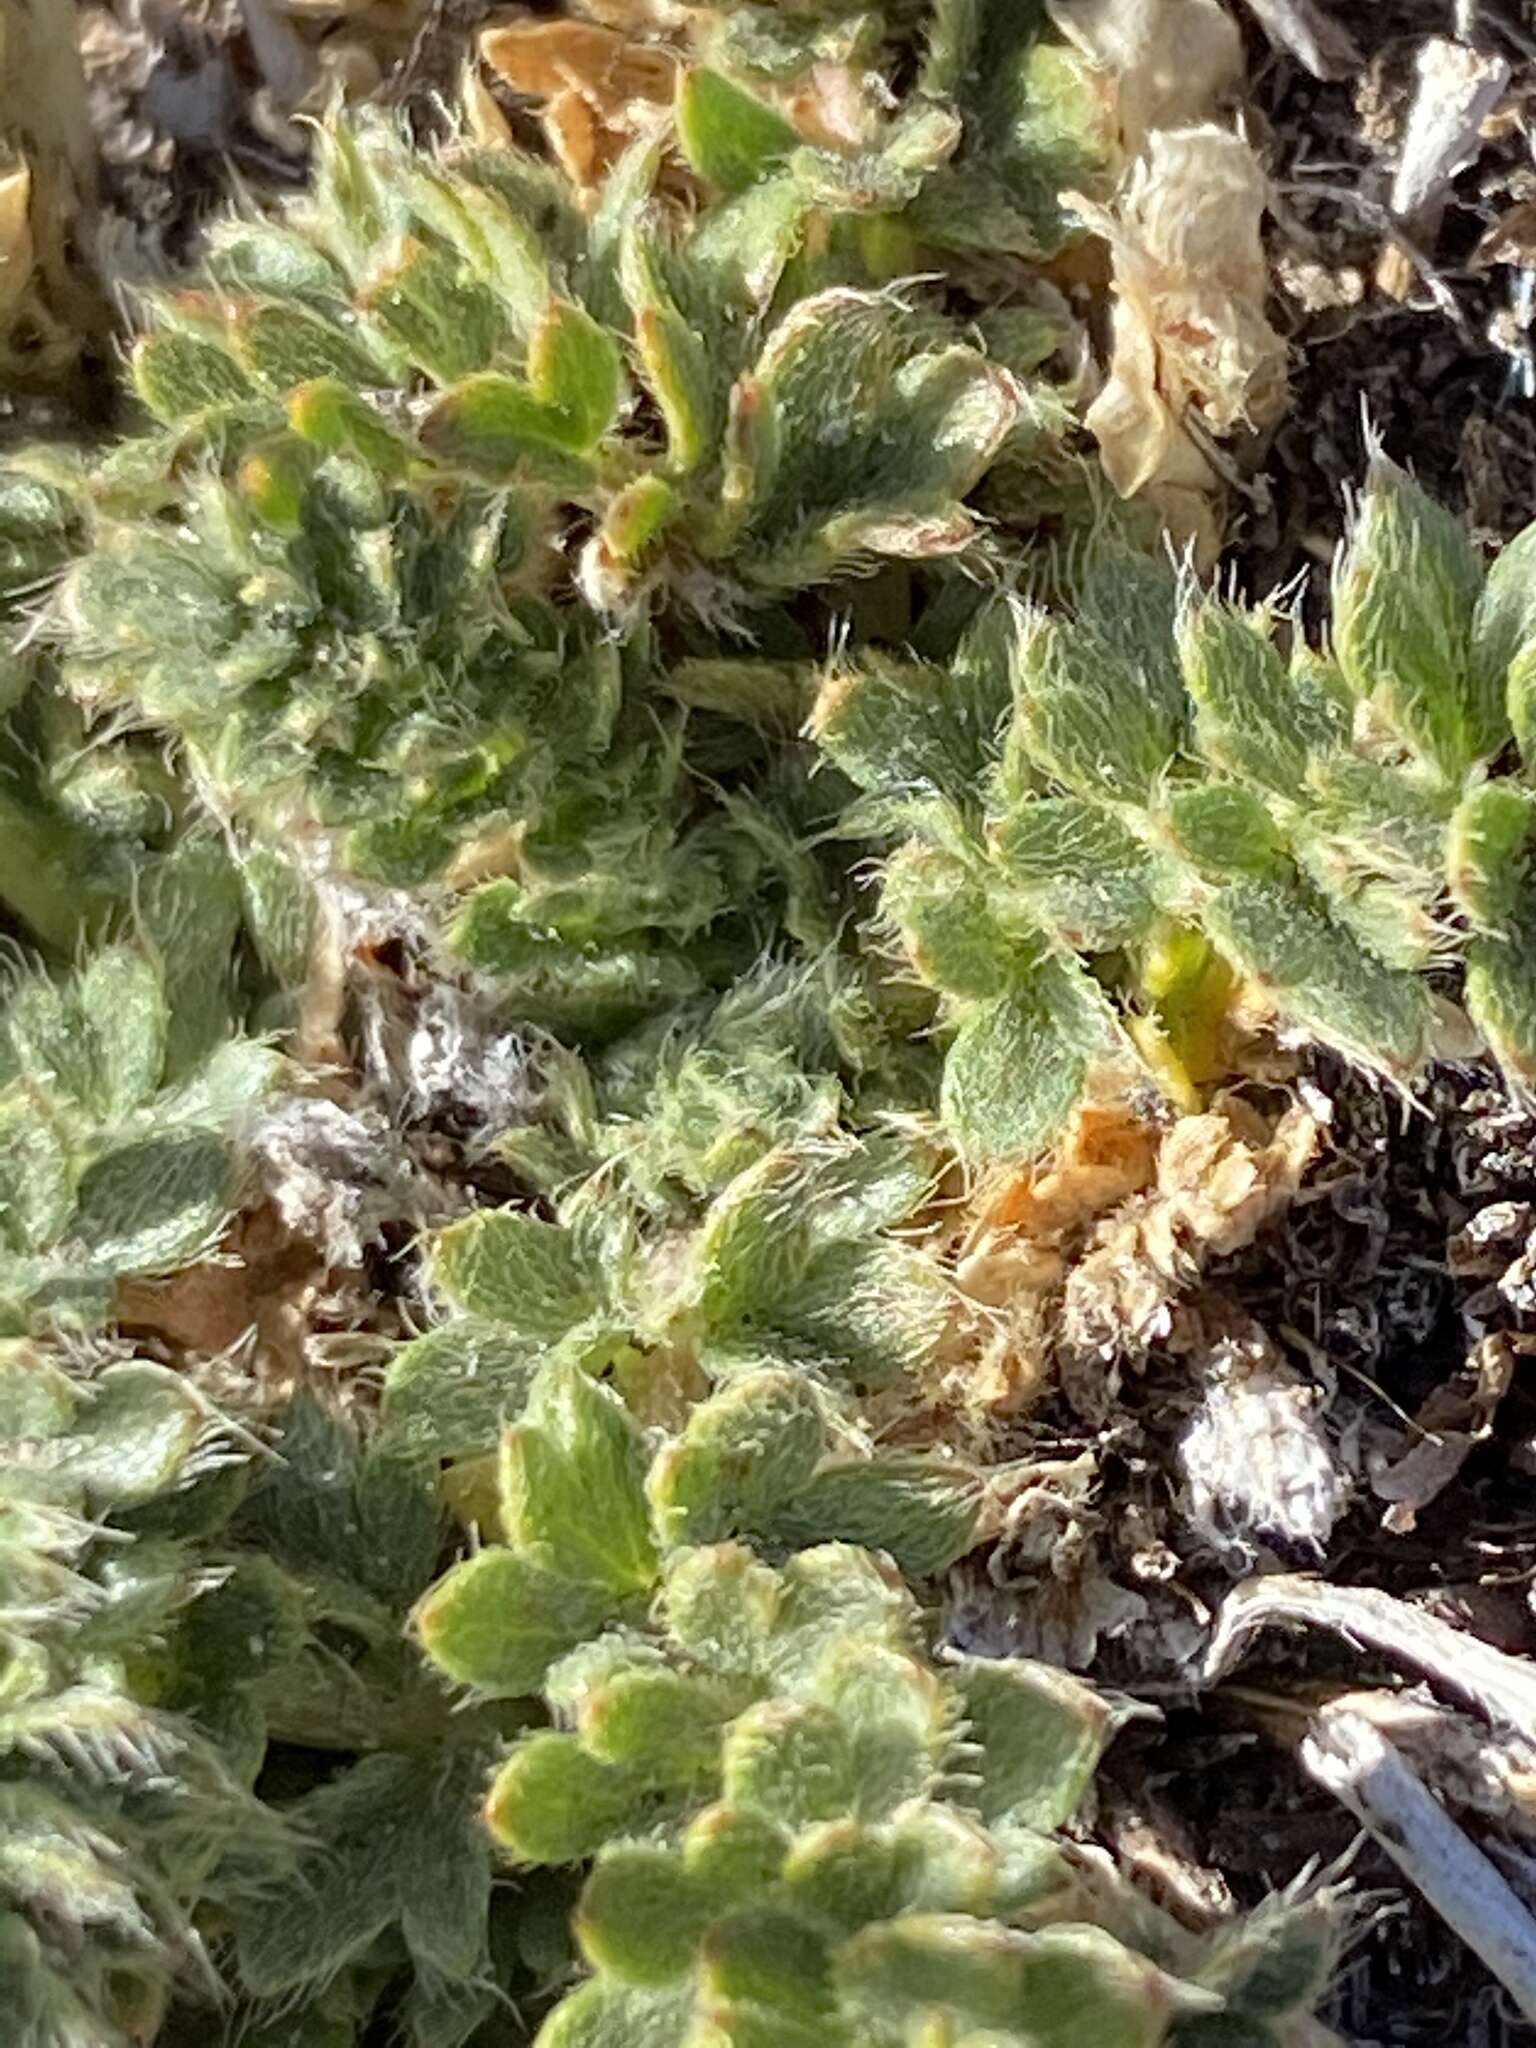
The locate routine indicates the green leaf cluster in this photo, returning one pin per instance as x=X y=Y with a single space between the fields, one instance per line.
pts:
x=119 y=1114
x=614 y=603
x=1118 y=810
x=800 y=1827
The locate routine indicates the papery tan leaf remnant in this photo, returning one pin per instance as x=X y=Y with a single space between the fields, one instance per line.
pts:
x=49 y=305
x=1193 y=353
x=1170 y=64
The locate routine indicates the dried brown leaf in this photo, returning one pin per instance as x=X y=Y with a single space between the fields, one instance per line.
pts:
x=1191 y=338
x=1220 y=1177
x=16 y=251
x=597 y=84
x=1455 y=1419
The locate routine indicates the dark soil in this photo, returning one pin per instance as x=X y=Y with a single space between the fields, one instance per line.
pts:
x=1444 y=372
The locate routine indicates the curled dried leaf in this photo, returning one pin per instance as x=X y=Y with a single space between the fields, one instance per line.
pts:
x=596 y=82
x=1193 y=350
x=1171 y=65
x=1220 y=1178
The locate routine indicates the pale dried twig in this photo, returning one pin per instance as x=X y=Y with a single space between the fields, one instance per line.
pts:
x=1352 y=1759
x=1500 y=1687
x=1319 y=44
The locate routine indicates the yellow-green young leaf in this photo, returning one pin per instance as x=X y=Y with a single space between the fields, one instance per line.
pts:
x=659 y=1722
x=354 y=209
x=616 y=1652
x=493 y=427
x=447 y=323
x=573 y=1484
x=1250 y=720
x=121 y=997
x=141 y=595
x=284 y=345
x=870 y=1311
x=1085 y=716
x=852 y=1191
x=743 y=1453
x=734 y=1852
x=830 y=1595
x=1019 y=1062
x=497 y=1622
x=1404 y=596
x=676 y=370
x=642 y=1914
x=41 y=1022
x=925 y=1513
x=1056 y=1989
x=330 y=415
x=843 y=1874
x=896 y=1717
x=134 y=1438
x=875 y=440
x=1370 y=822
x=943 y=910
x=766 y=1957
x=729 y=137
x=1223 y=831
x=280 y=913
x=1501 y=998
x=1490 y=850
x=1319 y=974
x=676 y=362
x=751 y=1250
x=274 y=477
x=37 y=1399
x=899 y=728
x=721 y=1604
x=948 y=1861
x=178 y=375
x=516 y=265
x=753 y=445
x=257 y=259
x=454 y=1390
x=603 y=2014
x=508 y=1267
x=743 y=245
x=1504 y=640
x=574 y=365
x=1039 y=1734
x=553 y=1802
x=635 y=517
x=791 y=1760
